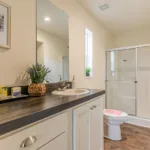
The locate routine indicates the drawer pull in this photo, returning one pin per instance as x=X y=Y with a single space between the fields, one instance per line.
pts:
x=28 y=141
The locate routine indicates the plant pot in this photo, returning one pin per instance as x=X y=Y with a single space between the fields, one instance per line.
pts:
x=87 y=74
x=37 y=89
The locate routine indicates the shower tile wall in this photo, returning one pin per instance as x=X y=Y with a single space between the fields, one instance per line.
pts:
x=120 y=83
x=143 y=86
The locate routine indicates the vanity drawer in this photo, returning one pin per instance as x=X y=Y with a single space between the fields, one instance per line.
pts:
x=42 y=133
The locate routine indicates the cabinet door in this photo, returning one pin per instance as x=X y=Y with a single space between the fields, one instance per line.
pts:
x=96 y=126
x=59 y=143
x=81 y=128
x=88 y=126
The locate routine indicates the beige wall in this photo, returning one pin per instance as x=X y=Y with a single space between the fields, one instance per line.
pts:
x=78 y=20
x=14 y=61
x=134 y=37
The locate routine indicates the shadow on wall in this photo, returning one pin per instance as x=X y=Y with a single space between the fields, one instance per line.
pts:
x=3 y=50
x=22 y=79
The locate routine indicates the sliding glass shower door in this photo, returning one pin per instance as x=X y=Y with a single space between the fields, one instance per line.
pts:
x=121 y=80
x=143 y=86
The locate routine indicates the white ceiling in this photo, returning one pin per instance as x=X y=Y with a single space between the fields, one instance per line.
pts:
x=58 y=25
x=122 y=16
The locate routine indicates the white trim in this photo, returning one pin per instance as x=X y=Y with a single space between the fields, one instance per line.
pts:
x=138 y=121
x=92 y=34
x=127 y=48
x=90 y=77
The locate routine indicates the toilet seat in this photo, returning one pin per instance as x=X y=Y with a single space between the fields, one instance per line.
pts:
x=114 y=114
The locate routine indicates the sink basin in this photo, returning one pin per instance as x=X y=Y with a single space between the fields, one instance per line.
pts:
x=71 y=92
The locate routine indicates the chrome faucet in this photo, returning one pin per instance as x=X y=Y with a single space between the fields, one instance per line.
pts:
x=64 y=86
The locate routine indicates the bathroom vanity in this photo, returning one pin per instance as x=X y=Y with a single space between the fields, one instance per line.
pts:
x=53 y=123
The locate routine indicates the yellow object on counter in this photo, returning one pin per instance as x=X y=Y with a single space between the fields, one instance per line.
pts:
x=3 y=91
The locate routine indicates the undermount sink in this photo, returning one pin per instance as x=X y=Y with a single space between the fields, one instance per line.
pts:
x=71 y=92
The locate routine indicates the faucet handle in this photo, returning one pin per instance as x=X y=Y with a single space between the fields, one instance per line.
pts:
x=68 y=85
x=63 y=83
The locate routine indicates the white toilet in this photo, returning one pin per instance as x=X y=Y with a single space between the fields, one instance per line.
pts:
x=112 y=121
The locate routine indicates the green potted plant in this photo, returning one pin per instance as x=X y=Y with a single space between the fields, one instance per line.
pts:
x=37 y=75
x=87 y=71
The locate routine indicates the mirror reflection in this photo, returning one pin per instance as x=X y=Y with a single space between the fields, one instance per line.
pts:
x=53 y=40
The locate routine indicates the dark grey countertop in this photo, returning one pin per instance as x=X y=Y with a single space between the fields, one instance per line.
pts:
x=17 y=114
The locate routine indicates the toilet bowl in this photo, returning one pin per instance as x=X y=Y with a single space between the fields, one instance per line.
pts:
x=112 y=121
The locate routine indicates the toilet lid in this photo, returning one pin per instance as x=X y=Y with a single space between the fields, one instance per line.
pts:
x=114 y=113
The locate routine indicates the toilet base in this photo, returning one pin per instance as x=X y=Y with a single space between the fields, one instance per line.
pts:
x=112 y=132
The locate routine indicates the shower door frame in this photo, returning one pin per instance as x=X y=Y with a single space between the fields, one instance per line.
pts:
x=136 y=69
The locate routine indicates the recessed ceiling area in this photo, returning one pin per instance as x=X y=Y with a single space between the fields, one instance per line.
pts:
x=123 y=15
x=51 y=19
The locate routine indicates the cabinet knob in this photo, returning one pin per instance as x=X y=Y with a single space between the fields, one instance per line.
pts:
x=28 y=141
x=91 y=108
x=94 y=106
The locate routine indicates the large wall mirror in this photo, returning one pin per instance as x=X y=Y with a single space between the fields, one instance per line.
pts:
x=53 y=40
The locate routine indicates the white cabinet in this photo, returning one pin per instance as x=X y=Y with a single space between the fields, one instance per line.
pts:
x=96 y=127
x=56 y=144
x=81 y=128
x=51 y=134
x=88 y=126
x=83 y=124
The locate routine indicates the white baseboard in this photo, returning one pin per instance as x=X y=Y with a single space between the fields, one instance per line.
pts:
x=138 y=121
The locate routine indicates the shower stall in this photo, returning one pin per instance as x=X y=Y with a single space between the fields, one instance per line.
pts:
x=128 y=80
